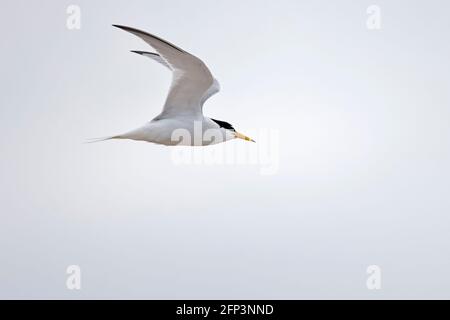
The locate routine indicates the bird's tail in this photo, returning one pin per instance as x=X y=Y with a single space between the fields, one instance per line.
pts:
x=92 y=140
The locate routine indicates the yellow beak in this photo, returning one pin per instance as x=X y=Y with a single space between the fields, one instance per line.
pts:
x=243 y=137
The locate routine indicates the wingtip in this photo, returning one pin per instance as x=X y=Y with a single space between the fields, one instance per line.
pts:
x=121 y=27
x=144 y=52
x=141 y=33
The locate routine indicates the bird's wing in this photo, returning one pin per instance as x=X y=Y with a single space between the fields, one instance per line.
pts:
x=192 y=82
x=154 y=56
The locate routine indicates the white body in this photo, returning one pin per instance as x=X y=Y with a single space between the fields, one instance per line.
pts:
x=186 y=131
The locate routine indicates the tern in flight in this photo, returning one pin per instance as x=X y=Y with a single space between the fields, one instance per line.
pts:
x=181 y=121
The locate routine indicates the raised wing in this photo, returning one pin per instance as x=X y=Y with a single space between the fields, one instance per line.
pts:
x=154 y=56
x=192 y=82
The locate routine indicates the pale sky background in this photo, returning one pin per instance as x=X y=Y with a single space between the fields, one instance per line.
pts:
x=363 y=175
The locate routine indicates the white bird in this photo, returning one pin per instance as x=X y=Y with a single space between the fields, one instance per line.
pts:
x=181 y=121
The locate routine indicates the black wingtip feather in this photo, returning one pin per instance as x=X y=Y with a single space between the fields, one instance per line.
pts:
x=129 y=29
x=144 y=52
x=134 y=30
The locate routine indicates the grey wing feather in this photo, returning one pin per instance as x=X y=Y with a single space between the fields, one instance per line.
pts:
x=192 y=81
x=154 y=56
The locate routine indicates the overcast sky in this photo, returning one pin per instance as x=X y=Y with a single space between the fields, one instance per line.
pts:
x=356 y=122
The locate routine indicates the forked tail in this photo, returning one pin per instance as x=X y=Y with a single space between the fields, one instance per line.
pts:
x=92 y=140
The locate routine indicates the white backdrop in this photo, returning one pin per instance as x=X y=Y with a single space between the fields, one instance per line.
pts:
x=362 y=155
